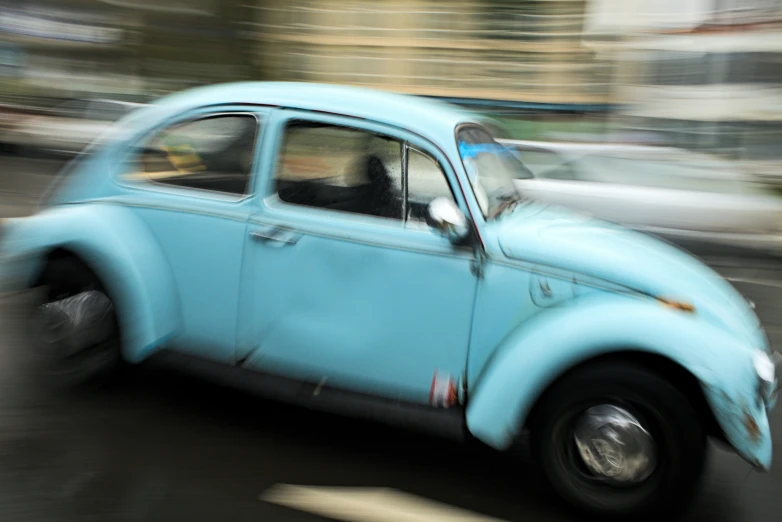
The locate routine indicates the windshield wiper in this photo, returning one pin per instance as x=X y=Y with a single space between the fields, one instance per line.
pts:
x=508 y=203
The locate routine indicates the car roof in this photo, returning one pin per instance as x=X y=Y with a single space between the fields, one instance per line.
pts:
x=427 y=117
x=433 y=120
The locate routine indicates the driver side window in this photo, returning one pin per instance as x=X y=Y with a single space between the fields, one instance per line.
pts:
x=353 y=170
x=340 y=168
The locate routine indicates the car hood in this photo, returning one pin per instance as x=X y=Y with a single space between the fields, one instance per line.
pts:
x=555 y=237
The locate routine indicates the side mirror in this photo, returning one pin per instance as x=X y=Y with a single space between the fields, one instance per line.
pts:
x=446 y=218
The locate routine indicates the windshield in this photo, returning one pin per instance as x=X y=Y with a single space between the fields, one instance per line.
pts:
x=491 y=168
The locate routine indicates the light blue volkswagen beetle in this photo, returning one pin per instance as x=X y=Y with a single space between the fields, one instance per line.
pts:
x=366 y=252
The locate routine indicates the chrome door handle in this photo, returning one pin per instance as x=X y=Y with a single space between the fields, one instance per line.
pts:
x=277 y=235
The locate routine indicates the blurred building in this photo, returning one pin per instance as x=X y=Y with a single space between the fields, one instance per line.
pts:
x=118 y=48
x=699 y=74
x=182 y=43
x=526 y=51
x=66 y=46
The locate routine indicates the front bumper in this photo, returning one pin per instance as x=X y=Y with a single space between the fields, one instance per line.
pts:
x=745 y=426
x=744 y=418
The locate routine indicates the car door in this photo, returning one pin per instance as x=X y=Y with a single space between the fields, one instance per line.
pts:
x=190 y=182
x=347 y=285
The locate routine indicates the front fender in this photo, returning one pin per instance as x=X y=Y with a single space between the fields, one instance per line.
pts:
x=542 y=349
x=121 y=250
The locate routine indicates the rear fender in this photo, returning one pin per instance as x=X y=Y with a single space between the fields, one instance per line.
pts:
x=119 y=247
x=544 y=348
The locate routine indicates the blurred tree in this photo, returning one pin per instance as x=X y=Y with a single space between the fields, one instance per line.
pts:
x=189 y=42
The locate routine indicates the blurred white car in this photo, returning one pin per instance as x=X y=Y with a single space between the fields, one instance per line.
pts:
x=679 y=195
x=68 y=128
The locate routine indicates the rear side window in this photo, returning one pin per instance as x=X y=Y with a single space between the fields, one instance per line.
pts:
x=214 y=153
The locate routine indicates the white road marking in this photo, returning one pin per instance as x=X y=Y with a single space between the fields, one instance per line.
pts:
x=367 y=504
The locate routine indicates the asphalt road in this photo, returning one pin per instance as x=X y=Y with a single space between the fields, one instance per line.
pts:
x=160 y=446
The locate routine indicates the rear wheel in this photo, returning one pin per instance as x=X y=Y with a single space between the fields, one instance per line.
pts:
x=75 y=326
x=617 y=440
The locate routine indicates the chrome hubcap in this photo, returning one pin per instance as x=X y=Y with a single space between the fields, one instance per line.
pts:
x=75 y=323
x=614 y=446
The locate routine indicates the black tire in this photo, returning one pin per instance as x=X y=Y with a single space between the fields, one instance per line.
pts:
x=665 y=413
x=93 y=364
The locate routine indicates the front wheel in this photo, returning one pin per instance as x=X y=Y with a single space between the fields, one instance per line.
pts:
x=619 y=441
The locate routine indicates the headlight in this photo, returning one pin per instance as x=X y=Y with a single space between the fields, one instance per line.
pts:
x=764 y=366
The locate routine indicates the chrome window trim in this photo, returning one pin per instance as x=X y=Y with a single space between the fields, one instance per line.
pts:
x=405 y=146
x=134 y=202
